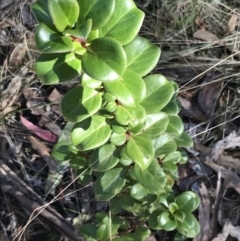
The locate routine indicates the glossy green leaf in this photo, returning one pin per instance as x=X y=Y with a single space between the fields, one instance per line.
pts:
x=175 y=125
x=64 y=13
x=78 y=49
x=125 y=115
x=90 y=82
x=128 y=237
x=80 y=103
x=104 y=158
x=109 y=97
x=57 y=68
x=112 y=221
x=156 y=124
x=166 y=221
x=162 y=199
x=107 y=58
x=173 y=207
x=60 y=151
x=90 y=133
x=189 y=227
x=115 y=205
x=172 y=108
x=129 y=91
x=110 y=183
x=170 y=167
x=179 y=215
x=118 y=139
x=142 y=232
x=164 y=144
x=81 y=32
x=140 y=150
x=159 y=92
x=125 y=22
x=104 y=232
x=135 y=127
x=88 y=230
x=138 y=191
x=153 y=221
x=173 y=157
x=65 y=135
x=127 y=202
x=188 y=201
x=125 y=161
x=111 y=107
x=116 y=127
x=41 y=12
x=100 y=11
x=49 y=41
x=142 y=55
x=92 y=35
x=184 y=140
x=153 y=178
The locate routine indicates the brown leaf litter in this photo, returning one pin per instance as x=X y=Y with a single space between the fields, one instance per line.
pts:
x=211 y=156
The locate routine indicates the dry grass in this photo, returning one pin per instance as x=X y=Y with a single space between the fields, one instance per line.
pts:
x=195 y=64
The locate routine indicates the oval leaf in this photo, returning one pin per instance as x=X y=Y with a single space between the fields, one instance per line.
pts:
x=125 y=115
x=188 y=201
x=64 y=13
x=153 y=178
x=142 y=55
x=153 y=221
x=110 y=183
x=129 y=91
x=172 y=108
x=90 y=82
x=125 y=22
x=156 y=124
x=90 y=133
x=140 y=150
x=118 y=139
x=164 y=144
x=107 y=58
x=104 y=158
x=138 y=191
x=100 y=11
x=41 y=12
x=89 y=231
x=159 y=92
x=82 y=31
x=57 y=68
x=175 y=125
x=184 y=140
x=80 y=103
x=166 y=221
x=48 y=41
x=183 y=228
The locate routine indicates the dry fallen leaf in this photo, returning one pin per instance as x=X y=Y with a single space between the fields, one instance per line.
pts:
x=232 y=23
x=217 y=154
x=191 y=109
x=228 y=229
x=11 y=93
x=205 y=35
x=204 y=214
x=17 y=55
x=207 y=98
x=200 y=22
x=44 y=134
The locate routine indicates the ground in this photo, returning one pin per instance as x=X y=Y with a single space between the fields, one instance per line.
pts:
x=199 y=40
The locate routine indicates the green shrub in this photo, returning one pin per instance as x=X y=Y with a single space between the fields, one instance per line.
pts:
x=125 y=131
